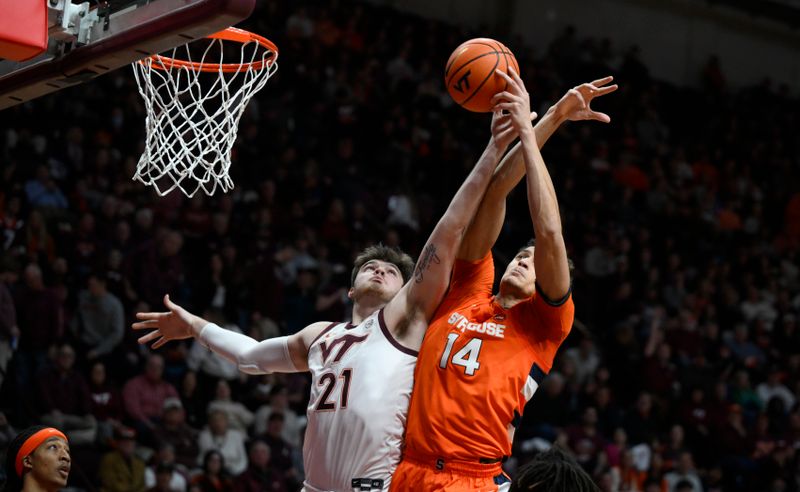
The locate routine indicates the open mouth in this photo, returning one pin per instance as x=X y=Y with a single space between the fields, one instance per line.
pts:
x=64 y=471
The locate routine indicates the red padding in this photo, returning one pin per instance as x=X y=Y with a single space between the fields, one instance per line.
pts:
x=23 y=29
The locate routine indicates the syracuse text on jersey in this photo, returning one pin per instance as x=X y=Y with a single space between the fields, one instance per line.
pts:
x=461 y=322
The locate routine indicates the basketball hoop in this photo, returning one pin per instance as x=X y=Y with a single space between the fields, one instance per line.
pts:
x=194 y=107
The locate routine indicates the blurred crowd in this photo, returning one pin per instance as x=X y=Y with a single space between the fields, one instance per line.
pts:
x=682 y=216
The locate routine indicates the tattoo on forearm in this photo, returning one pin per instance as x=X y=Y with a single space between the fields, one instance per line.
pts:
x=428 y=257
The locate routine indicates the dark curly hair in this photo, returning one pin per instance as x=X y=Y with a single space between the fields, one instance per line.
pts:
x=553 y=471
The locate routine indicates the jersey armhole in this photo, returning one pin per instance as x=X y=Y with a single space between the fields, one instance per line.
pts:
x=550 y=302
x=392 y=340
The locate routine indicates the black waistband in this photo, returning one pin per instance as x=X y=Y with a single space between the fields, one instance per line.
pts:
x=489 y=461
x=366 y=484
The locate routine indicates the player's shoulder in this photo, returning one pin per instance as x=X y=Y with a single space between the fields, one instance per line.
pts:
x=312 y=332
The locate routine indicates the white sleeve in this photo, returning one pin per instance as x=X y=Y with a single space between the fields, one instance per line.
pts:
x=252 y=357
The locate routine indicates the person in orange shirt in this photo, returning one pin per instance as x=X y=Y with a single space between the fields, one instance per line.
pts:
x=484 y=355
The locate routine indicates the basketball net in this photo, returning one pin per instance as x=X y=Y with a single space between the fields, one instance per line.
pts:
x=194 y=107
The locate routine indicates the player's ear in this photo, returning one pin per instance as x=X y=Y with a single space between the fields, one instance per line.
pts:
x=350 y=293
x=27 y=463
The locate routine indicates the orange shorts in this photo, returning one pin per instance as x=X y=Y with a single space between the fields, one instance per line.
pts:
x=412 y=475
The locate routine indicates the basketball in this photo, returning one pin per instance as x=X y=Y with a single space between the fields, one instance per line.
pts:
x=470 y=73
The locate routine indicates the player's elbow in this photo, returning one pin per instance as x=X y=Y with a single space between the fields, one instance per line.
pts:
x=247 y=363
x=251 y=368
x=452 y=228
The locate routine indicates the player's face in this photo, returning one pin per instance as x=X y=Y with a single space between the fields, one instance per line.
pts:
x=50 y=463
x=379 y=278
x=520 y=275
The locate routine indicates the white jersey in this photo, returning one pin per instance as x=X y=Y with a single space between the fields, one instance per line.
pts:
x=360 y=390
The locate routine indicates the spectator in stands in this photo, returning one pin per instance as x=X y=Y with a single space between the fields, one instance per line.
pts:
x=106 y=402
x=174 y=431
x=158 y=266
x=40 y=318
x=239 y=417
x=229 y=442
x=144 y=397
x=260 y=475
x=280 y=450
x=162 y=474
x=773 y=388
x=193 y=403
x=9 y=330
x=43 y=191
x=65 y=400
x=214 y=477
x=120 y=469
x=98 y=323
x=279 y=403
x=164 y=479
x=584 y=440
x=684 y=473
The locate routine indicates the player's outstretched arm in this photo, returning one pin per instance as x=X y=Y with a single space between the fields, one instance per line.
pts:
x=550 y=259
x=280 y=354
x=411 y=309
x=573 y=106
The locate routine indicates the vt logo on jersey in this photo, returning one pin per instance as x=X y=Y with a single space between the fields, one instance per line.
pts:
x=345 y=341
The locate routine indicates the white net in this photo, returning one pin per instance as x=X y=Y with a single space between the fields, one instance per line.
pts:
x=193 y=111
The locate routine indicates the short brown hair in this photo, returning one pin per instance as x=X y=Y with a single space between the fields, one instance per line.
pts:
x=395 y=256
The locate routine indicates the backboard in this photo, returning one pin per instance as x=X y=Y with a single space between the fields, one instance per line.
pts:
x=88 y=39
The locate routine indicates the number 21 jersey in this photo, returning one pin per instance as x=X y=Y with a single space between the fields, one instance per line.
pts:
x=360 y=390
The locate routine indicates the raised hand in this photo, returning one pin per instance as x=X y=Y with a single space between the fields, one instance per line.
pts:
x=575 y=105
x=176 y=324
x=503 y=132
x=515 y=100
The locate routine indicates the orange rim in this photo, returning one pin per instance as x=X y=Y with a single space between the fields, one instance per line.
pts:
x=230 y=34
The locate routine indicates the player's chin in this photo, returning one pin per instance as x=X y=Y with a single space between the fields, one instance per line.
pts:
x=516 y=285
x=510 y=280
x=60 y=477
x=376 y=290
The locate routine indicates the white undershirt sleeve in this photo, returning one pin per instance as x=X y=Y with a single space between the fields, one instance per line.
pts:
x=252 y=357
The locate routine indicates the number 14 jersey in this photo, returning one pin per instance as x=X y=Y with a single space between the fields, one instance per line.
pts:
x=479 y=365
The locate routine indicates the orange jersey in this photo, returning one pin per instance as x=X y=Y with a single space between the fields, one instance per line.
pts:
x=479 y=365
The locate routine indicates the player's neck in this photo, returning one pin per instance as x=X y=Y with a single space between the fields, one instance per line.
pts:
x=363 y=309
x=31 y=485
x=507 y=300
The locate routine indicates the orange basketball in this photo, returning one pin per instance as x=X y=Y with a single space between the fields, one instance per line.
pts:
x=470 y=73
